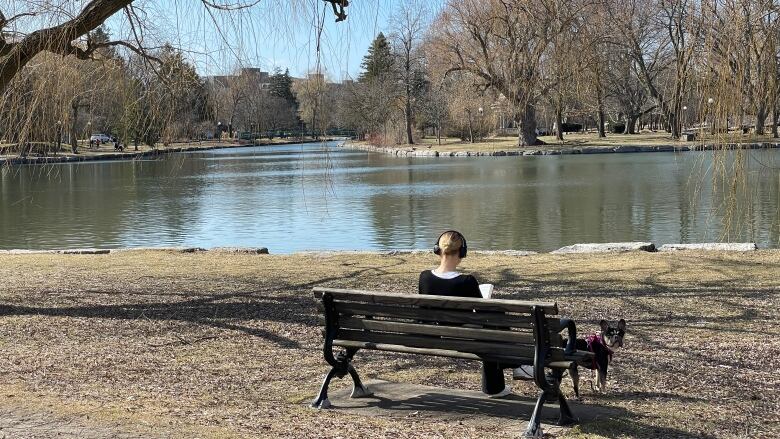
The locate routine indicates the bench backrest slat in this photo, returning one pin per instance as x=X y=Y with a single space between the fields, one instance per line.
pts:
x=459 y=332
x=434 y=315
x=465 y=303
x=552 y=322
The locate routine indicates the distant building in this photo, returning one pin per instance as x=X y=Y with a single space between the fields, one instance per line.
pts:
x=224 y=81
x=252 y=75
x=262 y=79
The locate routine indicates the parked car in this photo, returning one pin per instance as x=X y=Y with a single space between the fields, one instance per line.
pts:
x=102 y=138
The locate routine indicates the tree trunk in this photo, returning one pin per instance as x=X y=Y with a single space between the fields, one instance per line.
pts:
x=760 y=120
x=774 y=122
x=559 y=122
x=59 y=137
x=630 y=127
x=471 y=131
x=739 y=121
x=526 y=127
x=602 y=132
x=74 y=117
x=409 y=138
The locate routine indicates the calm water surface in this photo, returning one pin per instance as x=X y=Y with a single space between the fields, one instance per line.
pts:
x=304 y=197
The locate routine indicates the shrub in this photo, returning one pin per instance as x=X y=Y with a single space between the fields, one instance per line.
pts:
x=617 y=127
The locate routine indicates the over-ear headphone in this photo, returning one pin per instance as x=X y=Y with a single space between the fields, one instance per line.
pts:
x=464 y=248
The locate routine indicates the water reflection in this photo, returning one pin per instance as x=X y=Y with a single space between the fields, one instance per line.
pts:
x=300 y=197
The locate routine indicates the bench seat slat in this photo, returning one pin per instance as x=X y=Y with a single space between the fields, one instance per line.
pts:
x=557 y=359
x=420 y=341
x=466 y=303
x=438 y=330
x=579 y=356
x=560 y=364
x=434 y=315
x=433 y=352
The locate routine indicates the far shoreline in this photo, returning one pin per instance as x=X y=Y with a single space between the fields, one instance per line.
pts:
x=553 y=150
x=129 y=155
x=579 y=248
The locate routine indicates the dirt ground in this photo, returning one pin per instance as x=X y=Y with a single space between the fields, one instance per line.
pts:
x=582 y=141
x=224 y=345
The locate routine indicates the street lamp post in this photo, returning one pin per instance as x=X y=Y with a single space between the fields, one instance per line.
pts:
x=711 y=101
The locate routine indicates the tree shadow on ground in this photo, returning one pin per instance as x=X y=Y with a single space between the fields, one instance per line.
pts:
x=402 y=400
x=227 y=311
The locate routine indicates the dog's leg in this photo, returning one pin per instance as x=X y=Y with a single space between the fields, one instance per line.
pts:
x=575 y=379
x=602 y=384
x=602 y=363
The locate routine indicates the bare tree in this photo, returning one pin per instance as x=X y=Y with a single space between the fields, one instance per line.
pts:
x=317 y=102
x=408 y=28
x=592 y=77
x=661 y=37
x=504 y=45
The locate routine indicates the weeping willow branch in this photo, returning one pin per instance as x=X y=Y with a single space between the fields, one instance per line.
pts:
x=62 y=39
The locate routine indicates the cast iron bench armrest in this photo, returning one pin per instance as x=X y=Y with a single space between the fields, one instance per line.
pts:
x=571 y=328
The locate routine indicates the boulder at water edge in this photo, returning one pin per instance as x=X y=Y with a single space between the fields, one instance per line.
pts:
x=607 y=247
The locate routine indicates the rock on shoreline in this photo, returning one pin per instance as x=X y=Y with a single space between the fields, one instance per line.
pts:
x=713 y=246
x=607 y=247
x=425 y=152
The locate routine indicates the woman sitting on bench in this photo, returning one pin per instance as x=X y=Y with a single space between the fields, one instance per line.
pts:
x=451 y=247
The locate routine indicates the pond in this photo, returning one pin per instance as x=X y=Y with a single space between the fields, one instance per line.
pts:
x=323 y=197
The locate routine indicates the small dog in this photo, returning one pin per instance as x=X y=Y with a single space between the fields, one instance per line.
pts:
x=602 y=345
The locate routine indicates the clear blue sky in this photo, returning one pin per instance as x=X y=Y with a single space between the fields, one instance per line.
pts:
x=276 y=33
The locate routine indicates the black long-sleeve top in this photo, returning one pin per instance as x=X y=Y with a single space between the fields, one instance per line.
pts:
x=464 y=285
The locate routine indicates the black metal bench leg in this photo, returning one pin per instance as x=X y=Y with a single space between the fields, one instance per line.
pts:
x=322 y=402
x=567 y=417
x=574 y=373
x=359 y=390
x=535 y=424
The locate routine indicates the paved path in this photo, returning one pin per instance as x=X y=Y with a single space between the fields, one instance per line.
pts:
x=419 y=403
x=21 y=423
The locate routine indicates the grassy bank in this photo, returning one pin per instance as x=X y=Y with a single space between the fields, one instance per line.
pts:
x=107 y=152
x=165 y=344
x=581 y=141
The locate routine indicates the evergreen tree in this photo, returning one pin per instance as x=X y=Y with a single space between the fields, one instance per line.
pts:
x=281 y=86
x=378 y=62
x=102 y=35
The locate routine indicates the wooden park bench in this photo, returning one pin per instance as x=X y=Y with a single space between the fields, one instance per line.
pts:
x=511 y=332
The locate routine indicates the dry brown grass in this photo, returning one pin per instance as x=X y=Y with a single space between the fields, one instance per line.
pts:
x=222 y=345
x=583 y=140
